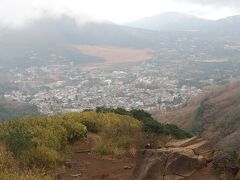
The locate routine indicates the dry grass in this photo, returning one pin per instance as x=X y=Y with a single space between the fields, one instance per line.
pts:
x=115 y=55
x=219 y=121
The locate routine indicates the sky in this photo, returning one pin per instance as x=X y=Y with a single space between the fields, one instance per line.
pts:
x=18 y=12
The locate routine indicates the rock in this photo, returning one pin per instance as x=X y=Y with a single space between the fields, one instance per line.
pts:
x=176 y=161
x=156 y=164
x=201 y=147
x=127 y=167
x=197 y=144
x=238 y=175
x=183 y=143
x=76 y=175
x=148 y=146
x=223 y=161
x=173 y=177
x=68 y=163
x=204 y=149
x=150 y=164
x=184 y=163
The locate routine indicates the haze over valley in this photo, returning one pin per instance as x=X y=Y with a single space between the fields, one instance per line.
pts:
x=60 y=65
x=150 y=93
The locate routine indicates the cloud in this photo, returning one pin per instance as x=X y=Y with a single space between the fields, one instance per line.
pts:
x=15 y=13
x=216 y=3
x=212 y=9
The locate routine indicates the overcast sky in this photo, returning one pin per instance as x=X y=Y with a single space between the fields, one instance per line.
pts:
x=16 y=12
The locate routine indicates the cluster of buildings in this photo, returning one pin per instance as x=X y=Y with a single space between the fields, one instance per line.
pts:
x=59 y=88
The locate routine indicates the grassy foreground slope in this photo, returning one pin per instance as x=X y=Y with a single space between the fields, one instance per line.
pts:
x=31 y=147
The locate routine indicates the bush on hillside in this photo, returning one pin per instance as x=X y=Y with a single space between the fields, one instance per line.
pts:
x=150 y=125
x=198 y=115
x=118 y=133
x=115 y=142
x=39 y=141
x=18 y=139
x=171 y=129
x=9 y=169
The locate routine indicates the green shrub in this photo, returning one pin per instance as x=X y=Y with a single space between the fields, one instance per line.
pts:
x=118 y=132
x=42 y=156
x=88 y=118
x=40 y=141
x=176 y=132
x=104 y=149
x=198 y=115
x=150 y=125
x=123 y=142
x=92 y=125
x=18 y=139
x=11 y=170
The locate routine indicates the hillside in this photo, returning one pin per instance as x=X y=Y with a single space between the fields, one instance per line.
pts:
x=214 y=115
x=54 y=40
x=37 y=147
x=13 y=109
x=174 y=21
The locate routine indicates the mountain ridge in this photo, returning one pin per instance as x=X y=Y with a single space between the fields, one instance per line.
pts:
x=174 y=21
x=47 y=36
x=35 y=43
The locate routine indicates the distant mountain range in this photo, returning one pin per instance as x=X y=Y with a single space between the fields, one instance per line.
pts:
x=52 y=39
x=173 y=21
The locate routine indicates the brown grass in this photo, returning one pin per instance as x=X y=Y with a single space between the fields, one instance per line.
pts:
x=220 y=121
x=115 y=55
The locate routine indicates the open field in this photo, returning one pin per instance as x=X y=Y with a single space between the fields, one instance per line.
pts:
x=115 y=55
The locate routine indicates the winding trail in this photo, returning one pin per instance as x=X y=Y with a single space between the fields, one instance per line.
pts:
x=87 y=166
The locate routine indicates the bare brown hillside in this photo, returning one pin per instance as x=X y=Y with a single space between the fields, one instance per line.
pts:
x=214 y=115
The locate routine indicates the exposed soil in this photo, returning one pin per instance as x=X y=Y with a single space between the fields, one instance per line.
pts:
x=87 y=166
x=84 y=165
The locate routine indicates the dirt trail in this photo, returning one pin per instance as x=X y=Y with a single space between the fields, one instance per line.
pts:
x=87 y=166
